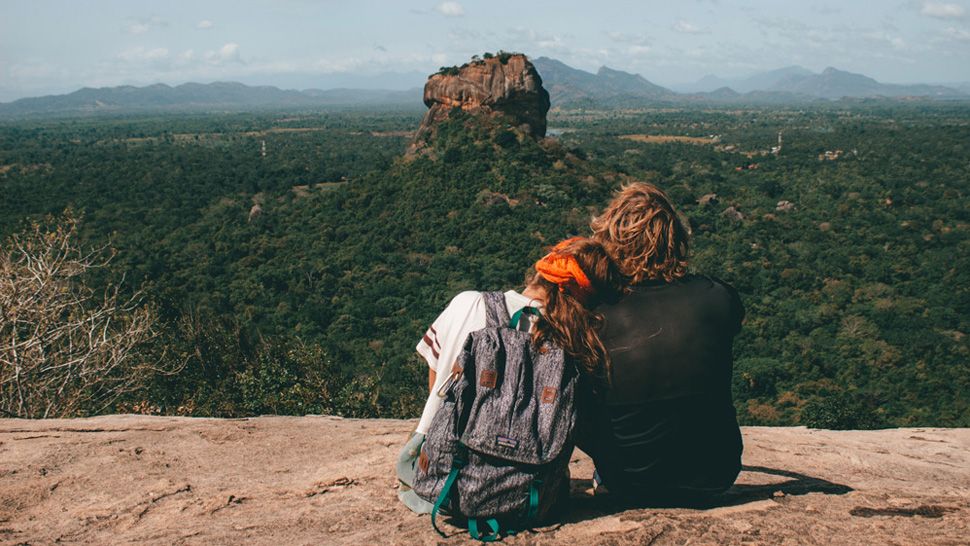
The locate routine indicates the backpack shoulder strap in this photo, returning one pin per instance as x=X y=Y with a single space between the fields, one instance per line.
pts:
x=496 y=313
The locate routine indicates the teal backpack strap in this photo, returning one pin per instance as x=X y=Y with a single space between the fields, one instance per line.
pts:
x=496 y=529
x=492 y=523
x=490 y=537
x=517 y=316
x=530 y=514
x=456 y=465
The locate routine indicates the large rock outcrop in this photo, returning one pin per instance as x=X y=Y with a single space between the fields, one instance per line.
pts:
x=123 y=479
x=506 y=84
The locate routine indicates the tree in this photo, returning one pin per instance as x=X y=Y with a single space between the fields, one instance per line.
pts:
x=65 y=350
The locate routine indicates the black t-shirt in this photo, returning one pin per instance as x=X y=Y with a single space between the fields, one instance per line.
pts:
x=667 y=421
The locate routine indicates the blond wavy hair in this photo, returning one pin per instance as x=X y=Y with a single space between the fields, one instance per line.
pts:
x=644 y=234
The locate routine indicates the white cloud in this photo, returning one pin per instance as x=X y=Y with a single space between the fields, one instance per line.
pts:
x=140 y=54
x=623 y=38
x=697 y=53
x=687 y=28
x=157 y=53
x=957 y=34
x=204 y=24
x=826 y=10
x=451 y=9
x=467 y=35
x=138 y=28
x=33 y=71
x=894 y=42
x=943 y=10
x=230 y=50
x=228 y=53
x=526 y=40
x=554 y=43
x=142 y=25
x=637 y=50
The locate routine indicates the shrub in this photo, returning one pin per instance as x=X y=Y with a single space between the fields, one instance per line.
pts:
x=757 y=377
x=842 y=411
x=65 y=349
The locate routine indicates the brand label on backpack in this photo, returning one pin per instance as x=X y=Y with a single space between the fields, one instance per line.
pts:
x=488 y=378
x=505 y=441
x=548 y=395
x=423 y=461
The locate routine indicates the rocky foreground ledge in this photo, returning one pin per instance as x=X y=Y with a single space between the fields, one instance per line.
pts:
x=327 y=480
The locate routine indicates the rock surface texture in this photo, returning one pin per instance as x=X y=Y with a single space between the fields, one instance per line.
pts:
x=327 y=480
x=506 y=85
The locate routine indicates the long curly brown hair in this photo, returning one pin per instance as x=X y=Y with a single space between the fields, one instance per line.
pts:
x=569 y=320
x=644 y=234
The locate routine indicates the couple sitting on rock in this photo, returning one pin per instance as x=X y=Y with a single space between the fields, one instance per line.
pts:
x=650 y=345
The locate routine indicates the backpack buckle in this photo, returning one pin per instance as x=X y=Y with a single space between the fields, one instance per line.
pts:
x=452 y=377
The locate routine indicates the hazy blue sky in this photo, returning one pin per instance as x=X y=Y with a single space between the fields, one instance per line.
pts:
x=55 y=46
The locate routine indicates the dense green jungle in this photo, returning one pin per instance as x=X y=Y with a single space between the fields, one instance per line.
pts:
x=294 y=260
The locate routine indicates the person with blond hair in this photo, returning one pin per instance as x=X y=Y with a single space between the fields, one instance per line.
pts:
x=664 y=430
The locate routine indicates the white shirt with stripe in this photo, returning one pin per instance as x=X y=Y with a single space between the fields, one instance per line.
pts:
x=444 y=340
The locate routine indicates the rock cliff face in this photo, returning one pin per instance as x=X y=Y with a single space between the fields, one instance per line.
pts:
x=506 y=84
x=123 y=479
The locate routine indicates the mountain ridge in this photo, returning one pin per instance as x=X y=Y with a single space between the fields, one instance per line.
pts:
x=754 y=82
x=201 y=96
x=566 y=85
x=833 y=83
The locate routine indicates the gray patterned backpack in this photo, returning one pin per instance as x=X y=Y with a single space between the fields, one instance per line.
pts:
x=498 y=449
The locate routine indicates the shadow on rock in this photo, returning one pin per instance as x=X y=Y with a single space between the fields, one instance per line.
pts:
x=585 y=506
x=799 y=484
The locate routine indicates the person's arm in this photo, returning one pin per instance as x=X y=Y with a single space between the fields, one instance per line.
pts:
x=463 y=315
x=588 y=419
x=439 y=344
x=735 y=306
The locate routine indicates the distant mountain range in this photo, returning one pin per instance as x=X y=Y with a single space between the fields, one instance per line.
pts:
x=831 y=83
x=761 y=81
x=834 y=84
x=229 y=96
x=567 y=86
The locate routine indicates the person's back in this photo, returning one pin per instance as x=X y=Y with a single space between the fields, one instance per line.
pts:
x=667 y=424
x=665 y=430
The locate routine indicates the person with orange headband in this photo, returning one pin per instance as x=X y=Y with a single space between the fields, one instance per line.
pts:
x=569 y=282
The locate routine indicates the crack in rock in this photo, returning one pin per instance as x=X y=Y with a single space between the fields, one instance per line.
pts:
x=184 y=489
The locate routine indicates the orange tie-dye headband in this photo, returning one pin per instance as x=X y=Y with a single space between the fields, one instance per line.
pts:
x=563 y=270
